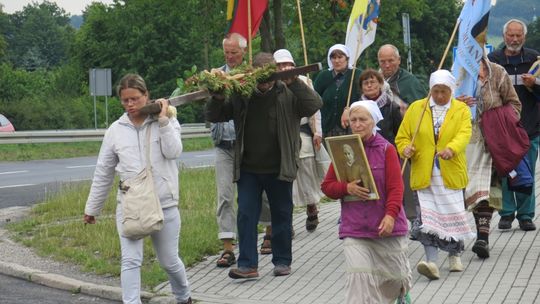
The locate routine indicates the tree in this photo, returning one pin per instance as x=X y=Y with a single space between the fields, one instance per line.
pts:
x=533 y=35
x=39 y=36
x=157 y=39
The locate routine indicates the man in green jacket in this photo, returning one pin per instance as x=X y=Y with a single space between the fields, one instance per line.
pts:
x=402 y=83
x=267 y=133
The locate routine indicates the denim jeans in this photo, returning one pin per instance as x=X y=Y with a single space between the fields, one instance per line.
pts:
x=250 y=188
x=519 y=204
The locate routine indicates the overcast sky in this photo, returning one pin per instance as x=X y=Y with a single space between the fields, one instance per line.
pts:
x=73 y=7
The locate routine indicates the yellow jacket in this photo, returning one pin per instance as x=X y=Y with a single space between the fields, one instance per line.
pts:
x=455 y=133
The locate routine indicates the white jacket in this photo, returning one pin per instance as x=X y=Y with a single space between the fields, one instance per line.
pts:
x=123 y=151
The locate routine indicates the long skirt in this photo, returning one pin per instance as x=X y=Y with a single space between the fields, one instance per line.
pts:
x=482 y=185
x=442 y=220
x=377 y=270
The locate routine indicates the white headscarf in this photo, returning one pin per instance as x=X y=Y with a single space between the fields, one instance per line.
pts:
x=373 y=109
x=443 y=77
x=339 y=47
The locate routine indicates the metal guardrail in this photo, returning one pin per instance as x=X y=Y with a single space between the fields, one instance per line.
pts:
x=50 y=136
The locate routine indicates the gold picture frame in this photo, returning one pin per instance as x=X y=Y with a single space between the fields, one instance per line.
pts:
x=350 y=161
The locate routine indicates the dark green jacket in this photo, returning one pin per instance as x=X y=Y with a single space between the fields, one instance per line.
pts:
x=334 y=98
x=410 y=88
x=293 y=103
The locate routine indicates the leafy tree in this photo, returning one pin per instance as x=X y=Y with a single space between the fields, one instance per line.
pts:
x=325 y=23
x=39 y=36
x=533 y=35
x=157 y=39
x=505 y=10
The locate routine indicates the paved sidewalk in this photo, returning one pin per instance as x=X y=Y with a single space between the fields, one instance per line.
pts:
x=510 y=275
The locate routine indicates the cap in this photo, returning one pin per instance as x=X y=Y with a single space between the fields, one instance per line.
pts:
x=283 y=55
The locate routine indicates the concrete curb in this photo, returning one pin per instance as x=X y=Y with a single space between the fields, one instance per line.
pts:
x=57 y=281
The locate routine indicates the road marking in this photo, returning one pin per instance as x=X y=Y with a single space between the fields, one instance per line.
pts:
x=80 y=179
x=15 y=186
x=76 y=167
x=205 y=155
x=13 y=172
x=197 y=167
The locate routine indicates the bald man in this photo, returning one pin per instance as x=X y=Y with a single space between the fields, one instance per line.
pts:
x=402 y=83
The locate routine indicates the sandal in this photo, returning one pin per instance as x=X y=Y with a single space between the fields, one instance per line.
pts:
x=227 y=259
x=312 y=221
x=266 y=247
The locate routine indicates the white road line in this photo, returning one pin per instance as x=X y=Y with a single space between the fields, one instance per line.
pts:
x=13 y=172
x=197 y=167
x=205 y=155
x=76 y=167
x=15 y=186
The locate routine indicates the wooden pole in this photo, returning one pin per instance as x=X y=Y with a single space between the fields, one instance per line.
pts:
x=352 y=73
x=249 y=32
x=429 y=94
x=302 y=32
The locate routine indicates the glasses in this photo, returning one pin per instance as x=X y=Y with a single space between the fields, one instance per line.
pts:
x=369 y=82
x=133 y=100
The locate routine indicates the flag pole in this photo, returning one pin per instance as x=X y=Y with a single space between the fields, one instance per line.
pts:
x=429 y=93
x=302 y=33
x=353 y=68
x=249 y=32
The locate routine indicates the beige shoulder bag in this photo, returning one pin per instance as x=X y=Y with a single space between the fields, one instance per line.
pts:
x=140 y=205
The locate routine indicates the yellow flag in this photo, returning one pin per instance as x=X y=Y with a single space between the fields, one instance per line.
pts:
x=230 y=9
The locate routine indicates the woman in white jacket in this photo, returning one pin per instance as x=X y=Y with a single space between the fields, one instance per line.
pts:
x=123 y=151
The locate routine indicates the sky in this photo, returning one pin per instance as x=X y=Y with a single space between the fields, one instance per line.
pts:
x=72 y=7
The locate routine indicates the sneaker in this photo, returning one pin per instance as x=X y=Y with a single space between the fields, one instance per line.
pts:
x=428 y=269
x=505 y=223
x=527 y=225
x=243 y=273
x=455 y=263
x=282 y=270
x=481 y=248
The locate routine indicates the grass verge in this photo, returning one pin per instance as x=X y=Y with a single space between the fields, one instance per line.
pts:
x=25 y=152
x=55 y=228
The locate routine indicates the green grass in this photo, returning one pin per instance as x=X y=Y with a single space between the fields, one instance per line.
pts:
x=55 y=228
x=25 y=152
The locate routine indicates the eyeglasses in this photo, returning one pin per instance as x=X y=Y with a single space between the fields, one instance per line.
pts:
x=369 y=82
x=131 y=100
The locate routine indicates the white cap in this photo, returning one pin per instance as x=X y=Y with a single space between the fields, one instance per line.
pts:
x=283 y=55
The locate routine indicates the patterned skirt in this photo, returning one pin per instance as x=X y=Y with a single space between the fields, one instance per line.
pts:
x=442 y=219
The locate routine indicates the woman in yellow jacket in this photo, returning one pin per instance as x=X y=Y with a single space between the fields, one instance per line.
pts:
x=438 y=171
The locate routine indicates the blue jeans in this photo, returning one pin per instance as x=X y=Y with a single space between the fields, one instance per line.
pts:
x=250 y=188
x=519 y=204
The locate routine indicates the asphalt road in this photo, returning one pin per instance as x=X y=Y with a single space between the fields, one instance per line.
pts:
x=26 y=183
x=17 y=291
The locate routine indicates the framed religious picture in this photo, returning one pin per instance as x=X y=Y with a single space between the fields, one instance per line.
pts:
x=350 y=161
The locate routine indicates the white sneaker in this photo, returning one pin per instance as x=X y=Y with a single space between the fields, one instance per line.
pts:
x=428 y=269
x=455 y=264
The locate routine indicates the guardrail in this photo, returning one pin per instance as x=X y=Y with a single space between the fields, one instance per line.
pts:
x=50 y=136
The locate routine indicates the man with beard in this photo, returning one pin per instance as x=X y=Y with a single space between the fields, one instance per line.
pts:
x=517 y=60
